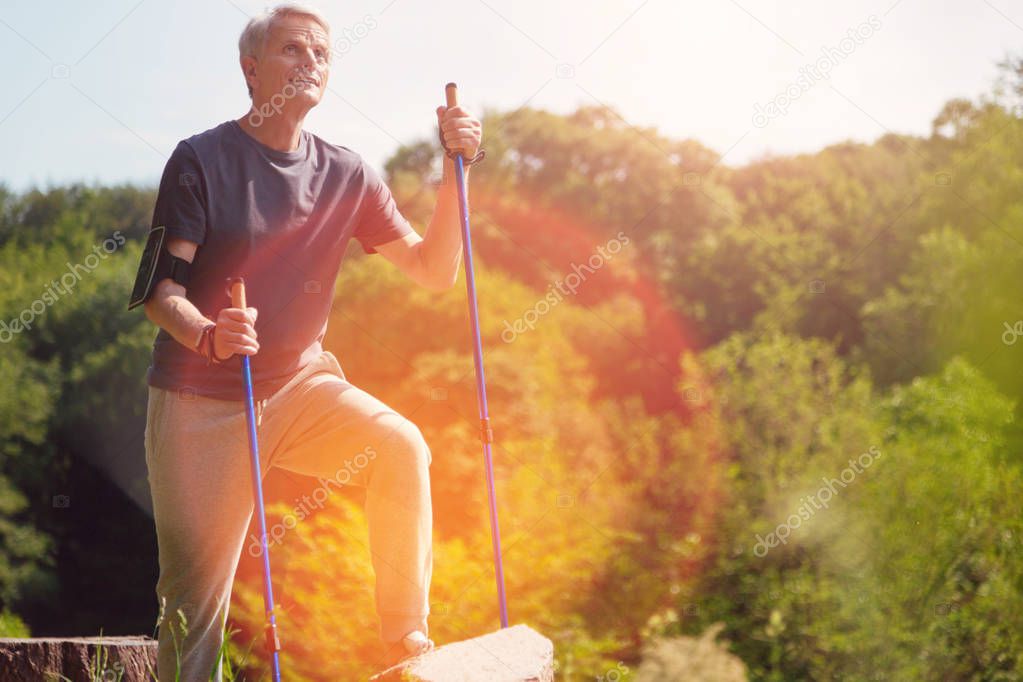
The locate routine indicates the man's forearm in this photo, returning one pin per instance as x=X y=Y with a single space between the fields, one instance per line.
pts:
x=170 y=310
x=441 y=248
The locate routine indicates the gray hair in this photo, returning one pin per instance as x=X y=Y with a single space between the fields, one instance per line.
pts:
x=253 y=38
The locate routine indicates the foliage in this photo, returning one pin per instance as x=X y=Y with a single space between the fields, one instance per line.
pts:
x=845 y=320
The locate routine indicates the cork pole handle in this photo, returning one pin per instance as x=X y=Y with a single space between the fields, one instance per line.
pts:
x=237 y=285
x=451 y=92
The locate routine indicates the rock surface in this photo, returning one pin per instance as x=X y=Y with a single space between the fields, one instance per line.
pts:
x=79 y=659
x=514 y=654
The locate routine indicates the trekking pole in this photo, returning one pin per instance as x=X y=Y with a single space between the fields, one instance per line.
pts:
x=486 y=434
x=273 y=643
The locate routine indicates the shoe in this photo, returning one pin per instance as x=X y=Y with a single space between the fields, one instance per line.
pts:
x=417 y=643
x=411 y=645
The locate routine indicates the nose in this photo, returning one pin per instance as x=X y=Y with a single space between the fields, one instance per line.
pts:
x=309 y=59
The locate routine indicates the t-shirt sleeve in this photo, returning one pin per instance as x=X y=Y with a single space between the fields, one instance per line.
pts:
x=380 y=221
x=181 y=201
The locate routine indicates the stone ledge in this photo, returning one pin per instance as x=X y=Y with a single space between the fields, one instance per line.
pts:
x=514 y=654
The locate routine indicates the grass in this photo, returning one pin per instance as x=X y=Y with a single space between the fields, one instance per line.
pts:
x=102 y=670
x=230 y=672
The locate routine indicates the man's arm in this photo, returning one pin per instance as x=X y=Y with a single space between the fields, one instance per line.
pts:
x=433 y=259
x=169 y=309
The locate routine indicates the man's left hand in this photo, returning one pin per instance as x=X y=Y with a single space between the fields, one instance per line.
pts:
x=460 y=130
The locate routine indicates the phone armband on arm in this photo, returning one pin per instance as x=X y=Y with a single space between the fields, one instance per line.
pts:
x=157 y=264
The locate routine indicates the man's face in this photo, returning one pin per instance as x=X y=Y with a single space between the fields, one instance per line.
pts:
x=295 y=64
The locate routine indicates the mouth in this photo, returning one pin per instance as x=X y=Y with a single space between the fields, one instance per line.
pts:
x=304 y=82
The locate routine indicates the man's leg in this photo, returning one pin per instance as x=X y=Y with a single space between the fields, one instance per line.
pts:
x=200 y=482
x=328 y=427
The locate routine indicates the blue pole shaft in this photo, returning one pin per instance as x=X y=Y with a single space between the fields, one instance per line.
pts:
x=481 y=385
x=257 y=492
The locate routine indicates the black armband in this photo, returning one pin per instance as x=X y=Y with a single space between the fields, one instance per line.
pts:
x=157 y=264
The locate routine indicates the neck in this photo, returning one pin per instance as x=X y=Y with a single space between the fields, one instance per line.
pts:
x=281 y=131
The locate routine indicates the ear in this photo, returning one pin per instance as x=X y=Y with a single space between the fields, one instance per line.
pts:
x=249 y=69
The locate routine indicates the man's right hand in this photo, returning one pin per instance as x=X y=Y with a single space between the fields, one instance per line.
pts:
x=235 y=333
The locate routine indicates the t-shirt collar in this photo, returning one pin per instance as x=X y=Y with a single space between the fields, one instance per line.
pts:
x=276 y=154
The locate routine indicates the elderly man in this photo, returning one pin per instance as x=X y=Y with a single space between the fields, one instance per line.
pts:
x=261 y=198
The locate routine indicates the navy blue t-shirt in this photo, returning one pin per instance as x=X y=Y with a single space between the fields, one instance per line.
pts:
x=282 y=221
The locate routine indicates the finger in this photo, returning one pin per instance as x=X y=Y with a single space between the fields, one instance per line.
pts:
x=460 y=123
x=233 y=326
x=453 y=115
x=247 y=340
x=234 y=314
x=247 y=330
x=458 y=131
x=237 y=343
x=241 y=312
x=463 y=131
x=236 y=332
x=250 y=348
x=462 y=135
x=233 y=317
x=462 y=142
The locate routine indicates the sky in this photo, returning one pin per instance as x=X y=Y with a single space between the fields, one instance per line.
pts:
x=102 y=91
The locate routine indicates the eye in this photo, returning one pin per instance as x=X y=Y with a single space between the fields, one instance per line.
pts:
x=289 y=48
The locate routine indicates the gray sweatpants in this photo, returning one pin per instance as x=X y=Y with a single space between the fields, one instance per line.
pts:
x=318 y=424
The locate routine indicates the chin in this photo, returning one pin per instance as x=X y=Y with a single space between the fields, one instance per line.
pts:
x=311 y=99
